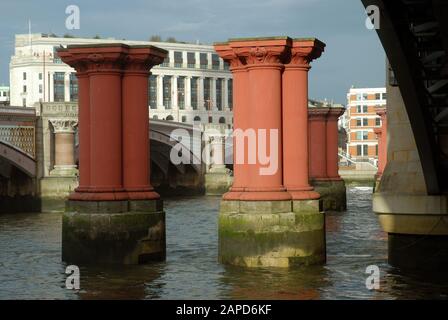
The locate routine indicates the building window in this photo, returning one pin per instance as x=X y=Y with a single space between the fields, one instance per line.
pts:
x=170 y=118
x=197 y=118
x=58 y=86
x=152 y=91
x=230 y=93
x=191 y=60
x=362 y=122
x=56 y=58
x=362 y=150
x=361 y=109
x=215 y=61
x=184 y=118
x=24 y=89
x=384 y=96
x=203 y=60
x=167 y=92
x=210 y=119
x=24 y=76
x=178 y=59
x=40 y=76
x=378 y=122
x=376 y=150
x=377 y=96
x=226 y=66
x=362 y=135
x=166 y=62
x=222 y=120
x=207 y=97
x=181 y=92
x=24 y=102
x=219 y=94
x=40 y=88
x=194 y=92
x=73 y=87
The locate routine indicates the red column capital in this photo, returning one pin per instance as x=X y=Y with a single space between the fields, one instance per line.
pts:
x=304 y=51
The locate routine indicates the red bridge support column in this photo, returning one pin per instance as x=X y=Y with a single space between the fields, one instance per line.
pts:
x=251 y=231
x=241 y=114
x=113 y=216
x=324 y=159
x=295 y=119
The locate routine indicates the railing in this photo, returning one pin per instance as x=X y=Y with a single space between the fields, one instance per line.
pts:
x=346 y=156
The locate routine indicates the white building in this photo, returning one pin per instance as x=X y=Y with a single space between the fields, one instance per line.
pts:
x=4 y=95
x=361 y=120
x=193 y=83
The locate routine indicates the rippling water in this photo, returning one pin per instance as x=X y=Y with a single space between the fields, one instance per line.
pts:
x=31 y=267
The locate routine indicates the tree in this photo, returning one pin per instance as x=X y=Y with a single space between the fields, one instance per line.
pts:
x=155 y=38
x=97 y=37
x=171 y=39
x=68 y=35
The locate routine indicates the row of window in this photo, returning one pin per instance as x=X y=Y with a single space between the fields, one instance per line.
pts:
x=3 y=94
x=365 y=96
x=364 y=122
x=362 y=150
x=196 y=119
x=191 y=61
x=167 y=90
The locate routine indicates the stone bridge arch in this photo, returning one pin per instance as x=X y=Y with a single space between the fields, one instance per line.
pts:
x=18 y=158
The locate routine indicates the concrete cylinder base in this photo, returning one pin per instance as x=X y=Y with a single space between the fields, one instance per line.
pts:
x=271 y=233
x=218 y=183
x=333 y=194
x=418 y=252
x=113 y=232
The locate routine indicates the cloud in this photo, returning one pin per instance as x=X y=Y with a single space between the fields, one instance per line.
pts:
x=353 y=54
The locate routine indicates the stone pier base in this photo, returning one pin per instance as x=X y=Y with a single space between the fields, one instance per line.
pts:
x=54 y=190
x=333 y=194
x=271 y=233
x=218 y=183
x=113 y=232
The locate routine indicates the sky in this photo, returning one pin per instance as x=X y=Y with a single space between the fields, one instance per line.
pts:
x=353 y=55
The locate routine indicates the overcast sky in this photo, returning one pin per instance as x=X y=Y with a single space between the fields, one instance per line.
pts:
x=353 y=56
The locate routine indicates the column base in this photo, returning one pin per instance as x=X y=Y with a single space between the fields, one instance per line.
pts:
x=113 y=232
x=333 y=194
x=218 y=182
x=57 y=187
x=64 y=171
x=271 y=233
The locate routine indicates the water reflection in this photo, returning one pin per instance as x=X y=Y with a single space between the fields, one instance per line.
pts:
x=31 y=268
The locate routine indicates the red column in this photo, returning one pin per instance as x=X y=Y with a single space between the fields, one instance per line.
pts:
x=263 y=62
x=136 y=163
x=332 y=143
x=84 y=129
x=379 y=134
x=113 y=141
x=318 y=142
x=240 y=114
x=295 y=118
x=382 y=141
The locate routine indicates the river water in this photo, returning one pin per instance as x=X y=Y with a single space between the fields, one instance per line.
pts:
x=31 y=267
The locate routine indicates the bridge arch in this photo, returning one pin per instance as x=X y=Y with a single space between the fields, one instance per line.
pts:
x=18 y=158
